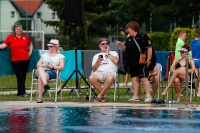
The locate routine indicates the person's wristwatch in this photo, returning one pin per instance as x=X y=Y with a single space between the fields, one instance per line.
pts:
x=52 y=68
x=107 y=55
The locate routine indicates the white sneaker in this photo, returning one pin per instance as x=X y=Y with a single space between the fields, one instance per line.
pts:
x=134 y=99
x=148 y=99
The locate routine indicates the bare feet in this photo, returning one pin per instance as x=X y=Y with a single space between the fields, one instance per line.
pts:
x=125 y=84
x=164 y=92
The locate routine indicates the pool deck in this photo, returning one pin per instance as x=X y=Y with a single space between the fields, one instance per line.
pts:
x=13 y=105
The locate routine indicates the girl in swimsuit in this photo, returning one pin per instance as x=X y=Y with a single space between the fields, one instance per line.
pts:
x=178 y=68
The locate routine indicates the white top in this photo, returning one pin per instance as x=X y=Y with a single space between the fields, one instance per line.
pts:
x=55 y=61
x=106 y=64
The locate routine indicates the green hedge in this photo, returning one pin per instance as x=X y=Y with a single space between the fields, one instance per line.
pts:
x=160 y=40
x=190 y=35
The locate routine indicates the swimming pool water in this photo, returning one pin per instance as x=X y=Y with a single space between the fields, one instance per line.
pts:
x=98 y=120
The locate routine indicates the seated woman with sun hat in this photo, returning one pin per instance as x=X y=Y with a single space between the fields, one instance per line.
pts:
x=47 y=66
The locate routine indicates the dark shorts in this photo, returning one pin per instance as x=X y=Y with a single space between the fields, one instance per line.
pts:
x=126 y=68
x=141 y=71
x=51 y=73
x=152 y=65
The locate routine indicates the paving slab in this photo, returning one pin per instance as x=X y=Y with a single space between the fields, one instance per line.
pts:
x=13 y=105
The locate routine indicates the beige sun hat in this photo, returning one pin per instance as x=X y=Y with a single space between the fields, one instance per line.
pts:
x=53 y=42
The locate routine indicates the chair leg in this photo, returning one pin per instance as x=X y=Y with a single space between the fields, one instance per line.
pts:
x=90 y=95
x=118 y=92
x=56 y=90
x=114 y=93
x=31 y=92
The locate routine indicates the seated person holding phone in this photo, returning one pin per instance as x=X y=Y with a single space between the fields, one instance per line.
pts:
x=104 y=66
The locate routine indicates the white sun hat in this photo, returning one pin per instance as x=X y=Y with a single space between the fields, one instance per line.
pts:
x=53 y=42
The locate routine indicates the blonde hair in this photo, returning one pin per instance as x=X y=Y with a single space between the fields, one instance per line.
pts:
x=14 y=27
x=58 y=50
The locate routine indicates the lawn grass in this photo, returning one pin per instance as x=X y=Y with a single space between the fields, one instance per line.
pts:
x=8 y=84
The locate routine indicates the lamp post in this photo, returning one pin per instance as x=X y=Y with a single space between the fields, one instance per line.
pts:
x=174 y=22
x=26 y=15
x=193 y=26
x=186 y=99
x=150 y=22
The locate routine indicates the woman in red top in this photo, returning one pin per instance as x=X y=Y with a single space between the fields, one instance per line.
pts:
x=21 y=49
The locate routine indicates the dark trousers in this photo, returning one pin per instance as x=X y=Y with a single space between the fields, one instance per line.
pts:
x=20 y=68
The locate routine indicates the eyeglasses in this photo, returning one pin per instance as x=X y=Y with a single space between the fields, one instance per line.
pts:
x=104 y=44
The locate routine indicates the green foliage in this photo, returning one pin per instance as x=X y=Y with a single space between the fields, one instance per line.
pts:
x=174 y=8
x=160 y=40
x=135 y=10
x=174 y=36
x=100 y=15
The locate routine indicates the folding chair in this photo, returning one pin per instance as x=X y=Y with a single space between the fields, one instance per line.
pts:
x=114 y=86
x=191 y=84
x=161 y=79
x=53 y=82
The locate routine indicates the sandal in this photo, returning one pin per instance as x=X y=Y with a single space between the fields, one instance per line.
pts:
x=39 y=100
x=104 y=99
x=97 y=99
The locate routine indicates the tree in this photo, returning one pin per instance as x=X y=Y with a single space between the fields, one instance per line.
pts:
x=163 y=12
x=99 y=15
x=179 y=11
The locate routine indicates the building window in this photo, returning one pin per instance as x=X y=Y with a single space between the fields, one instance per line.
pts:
x=53 y=15
x=39 y=14
x=12 y=14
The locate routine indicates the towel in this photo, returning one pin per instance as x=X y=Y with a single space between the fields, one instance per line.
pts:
x=69 y=66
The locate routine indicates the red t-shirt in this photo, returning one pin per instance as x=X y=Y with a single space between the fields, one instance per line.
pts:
x=19 y=47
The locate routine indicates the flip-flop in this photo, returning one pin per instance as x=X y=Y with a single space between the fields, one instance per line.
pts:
x=39 y=100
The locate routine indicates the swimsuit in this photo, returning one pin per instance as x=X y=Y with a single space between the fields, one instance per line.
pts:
x=179 y=65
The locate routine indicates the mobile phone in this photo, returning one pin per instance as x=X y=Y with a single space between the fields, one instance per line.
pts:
x=101 y=56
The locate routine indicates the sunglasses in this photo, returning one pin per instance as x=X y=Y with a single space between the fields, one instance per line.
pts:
x=104 y=44
x=182 y=51
x=50 y=46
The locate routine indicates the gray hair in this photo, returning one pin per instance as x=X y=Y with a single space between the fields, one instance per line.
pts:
x=103 y=39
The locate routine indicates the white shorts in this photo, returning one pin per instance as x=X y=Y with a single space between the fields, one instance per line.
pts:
x=103 y=74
